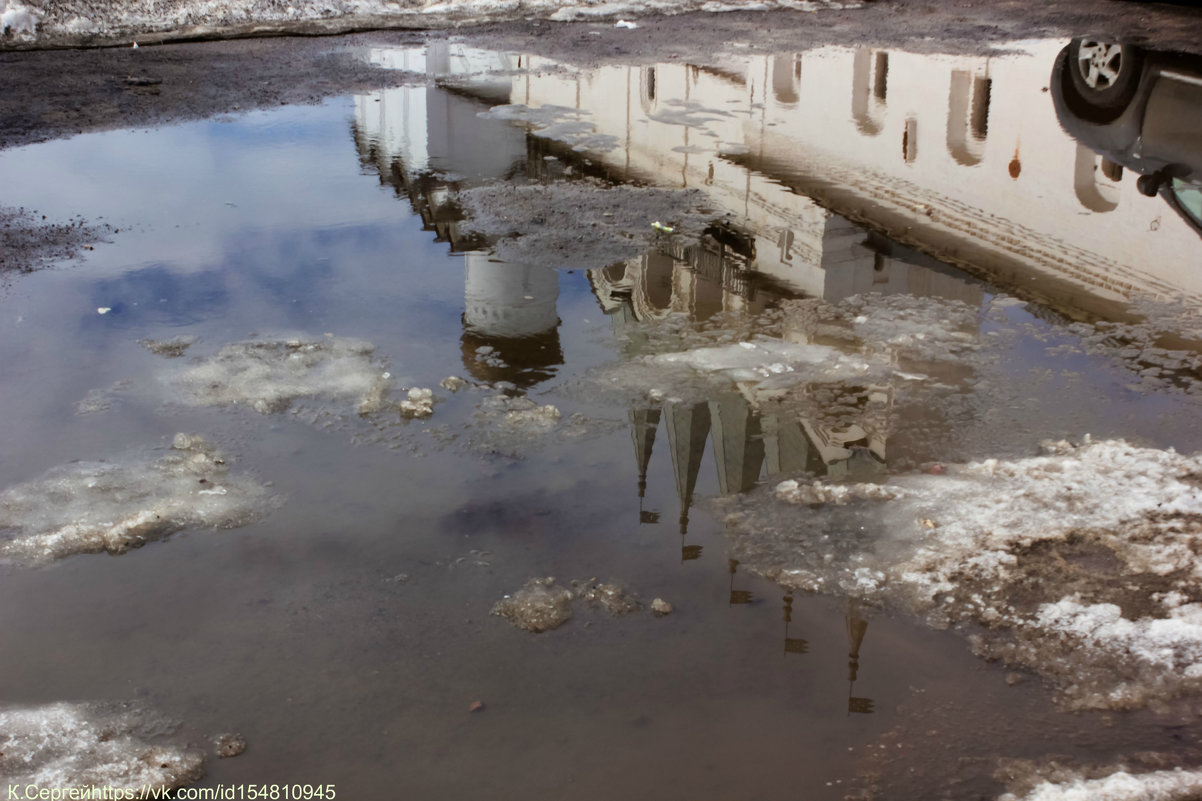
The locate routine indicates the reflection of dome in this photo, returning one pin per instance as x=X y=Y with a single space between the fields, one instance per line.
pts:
x=510 y=308
x=525 y=361
x=503 y=299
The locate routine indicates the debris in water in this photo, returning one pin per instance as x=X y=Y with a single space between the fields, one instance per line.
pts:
x=169 y=348
x=229 y=745
x=660 y=607
x=452 y=383
x=476 y=706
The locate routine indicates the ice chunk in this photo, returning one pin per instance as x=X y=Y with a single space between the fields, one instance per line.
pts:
x=610 y=597
x=268 y=375
x=89 y=507
x=538 y=606
x=66 y=746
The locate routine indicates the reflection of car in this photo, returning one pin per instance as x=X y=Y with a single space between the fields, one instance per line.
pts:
x=1141 y=109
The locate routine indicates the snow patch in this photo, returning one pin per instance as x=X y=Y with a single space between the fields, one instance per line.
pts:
x=92 y=507
x=1161 y=785
x=1079 y=563
x=268 y=375
x=79 y=746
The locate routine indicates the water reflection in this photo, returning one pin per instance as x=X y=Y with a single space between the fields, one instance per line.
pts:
x=1136 y=109
x=1004 y=193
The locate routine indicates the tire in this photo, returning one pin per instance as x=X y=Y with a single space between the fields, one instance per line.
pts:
x=1104 y=75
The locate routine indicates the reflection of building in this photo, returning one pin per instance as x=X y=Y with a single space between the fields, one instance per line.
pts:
x=428 y=142
x=958 y=157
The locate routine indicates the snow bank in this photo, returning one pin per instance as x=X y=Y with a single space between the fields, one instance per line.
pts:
x=65 y=746
x=17 y=21
x=268 y=375
x=90 y=507
x=93 y=21
x=1079 y=564
x=1163 y=785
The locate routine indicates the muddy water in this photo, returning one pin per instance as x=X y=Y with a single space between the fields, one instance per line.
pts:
x=346 y=631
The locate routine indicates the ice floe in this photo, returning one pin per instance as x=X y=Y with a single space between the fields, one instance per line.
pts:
x=1161 y=785
x=90 y=507
x=1078 y=564
x=268 y=375
x=542 y=604
x=68 y=746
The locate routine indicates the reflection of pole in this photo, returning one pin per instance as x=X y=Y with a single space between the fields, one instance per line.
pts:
x=857 y=627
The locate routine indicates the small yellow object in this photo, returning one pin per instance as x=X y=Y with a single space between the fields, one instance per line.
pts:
x=659 y=226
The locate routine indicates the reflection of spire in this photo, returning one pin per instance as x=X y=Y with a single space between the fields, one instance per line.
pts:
x=643 y=423
x=793 y=645
x=738 y=596
x=857 y=627
x=688 y=428
x=738 y=445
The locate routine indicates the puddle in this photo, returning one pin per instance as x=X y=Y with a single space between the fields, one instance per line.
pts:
x=768 y=343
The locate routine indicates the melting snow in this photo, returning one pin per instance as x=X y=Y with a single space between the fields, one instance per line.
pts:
x=89 y=507
x=1080 y=563
x=80 y=746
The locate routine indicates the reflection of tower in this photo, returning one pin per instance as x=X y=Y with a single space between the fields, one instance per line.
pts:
x=688 y=428
x=857 y=627
x=643 y=423
x=793 y=645
x=510 y=308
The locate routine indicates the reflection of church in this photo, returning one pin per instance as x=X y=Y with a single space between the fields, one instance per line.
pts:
x=427 y=142
x=751 y=442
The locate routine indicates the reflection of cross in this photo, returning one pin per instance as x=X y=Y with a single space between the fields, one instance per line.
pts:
x=738 y=596
x=793 y=645
x=857 y=627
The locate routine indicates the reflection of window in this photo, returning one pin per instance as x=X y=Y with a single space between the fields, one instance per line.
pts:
x=870 y=72
x=968 y=116
x=786 y=79
x=1096 y=184
x=786 y=245
x=910 y=140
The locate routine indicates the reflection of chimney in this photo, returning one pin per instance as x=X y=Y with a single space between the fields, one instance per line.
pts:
x=510 y=308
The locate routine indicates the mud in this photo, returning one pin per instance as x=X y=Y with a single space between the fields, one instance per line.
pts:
x=28 y=241
x=578 y=224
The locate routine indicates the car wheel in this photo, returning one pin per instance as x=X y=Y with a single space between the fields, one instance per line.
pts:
x=1105 y=75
